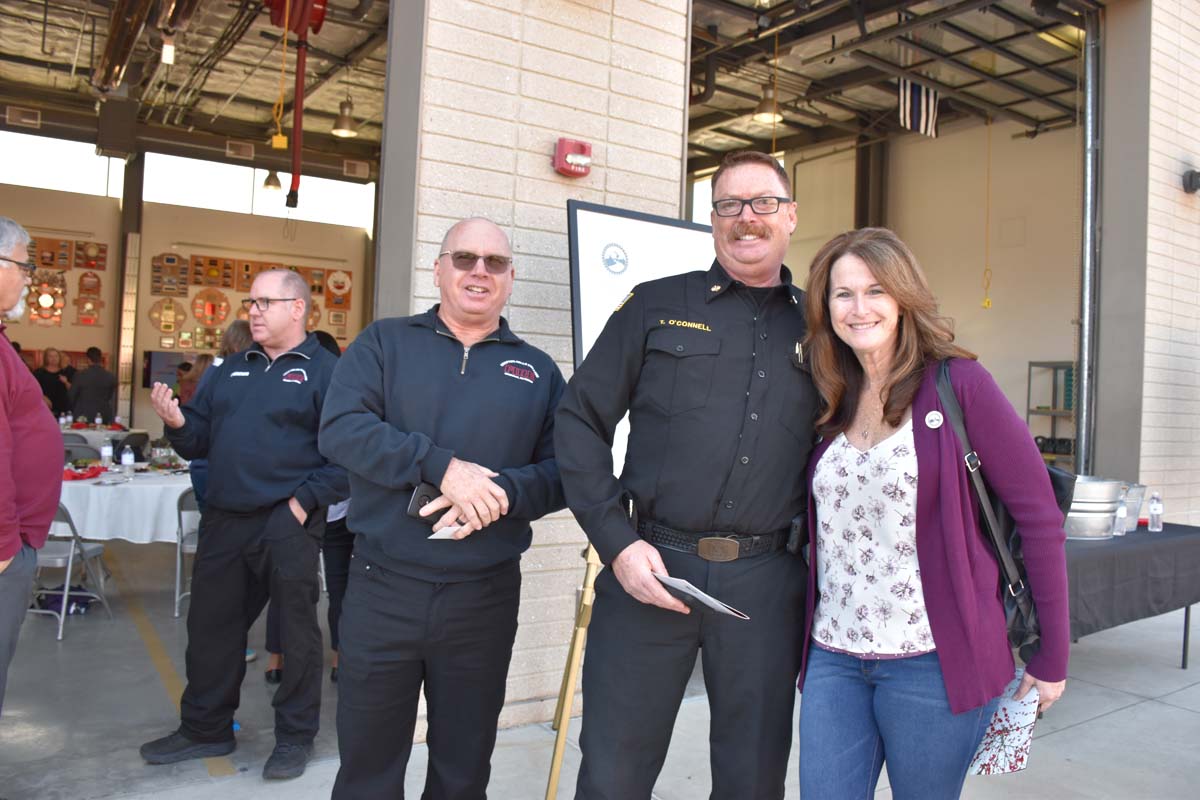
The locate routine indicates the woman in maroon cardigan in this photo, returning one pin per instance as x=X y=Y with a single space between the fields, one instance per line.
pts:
x=907 y=648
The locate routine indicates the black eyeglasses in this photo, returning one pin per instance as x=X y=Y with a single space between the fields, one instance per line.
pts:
x=29 y=267
x=264 y=303
x=466 y=260
x=732 y=207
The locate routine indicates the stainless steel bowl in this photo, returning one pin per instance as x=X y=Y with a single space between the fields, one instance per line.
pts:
x=1091 y=489
x=1089 y=525
x=1105 y=507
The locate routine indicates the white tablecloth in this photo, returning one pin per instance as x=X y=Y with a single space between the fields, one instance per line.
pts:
x=141 y=510
x=96 y=438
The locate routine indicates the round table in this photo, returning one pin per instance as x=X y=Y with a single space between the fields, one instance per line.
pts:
x=140 y=510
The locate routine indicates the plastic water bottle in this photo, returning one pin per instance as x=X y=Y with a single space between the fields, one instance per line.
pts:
x=1156 y=512
x=98 y=421
x=1119 y=518
x=127 y=460
x=106 y=453
x=62 y=420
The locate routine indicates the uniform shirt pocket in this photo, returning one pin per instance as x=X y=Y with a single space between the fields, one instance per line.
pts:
x=679 y=367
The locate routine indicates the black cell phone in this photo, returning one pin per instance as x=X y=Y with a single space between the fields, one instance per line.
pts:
x=423 y=495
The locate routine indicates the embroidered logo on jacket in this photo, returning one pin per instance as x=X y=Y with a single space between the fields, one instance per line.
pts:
x=519 y=370
x=295 y=375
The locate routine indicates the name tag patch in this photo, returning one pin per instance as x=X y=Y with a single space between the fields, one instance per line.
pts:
x=519 y=370
x=239 y=374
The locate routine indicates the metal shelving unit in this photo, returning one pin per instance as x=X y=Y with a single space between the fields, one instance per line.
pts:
x=1059 y=411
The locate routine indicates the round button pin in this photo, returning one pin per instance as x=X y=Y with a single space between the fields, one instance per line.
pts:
x=933 y=419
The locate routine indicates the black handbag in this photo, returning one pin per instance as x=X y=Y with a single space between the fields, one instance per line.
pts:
x=1001 y=530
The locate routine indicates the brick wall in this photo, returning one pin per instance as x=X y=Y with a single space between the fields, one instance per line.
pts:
x=503 y=79
x=1170 y=451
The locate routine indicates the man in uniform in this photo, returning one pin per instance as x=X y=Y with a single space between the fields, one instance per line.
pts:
x=449 y=400
x=255 y=420
x=709 y=366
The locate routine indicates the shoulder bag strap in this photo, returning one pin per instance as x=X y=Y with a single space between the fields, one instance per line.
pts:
x=1014 y=585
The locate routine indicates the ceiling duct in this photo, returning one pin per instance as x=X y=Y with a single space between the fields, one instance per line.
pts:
x=174 y=15
x=125 y=26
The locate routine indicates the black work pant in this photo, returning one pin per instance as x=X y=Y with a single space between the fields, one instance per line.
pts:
x=399 y=633
x=337 y=546
x=639 y=658
x=241 y=559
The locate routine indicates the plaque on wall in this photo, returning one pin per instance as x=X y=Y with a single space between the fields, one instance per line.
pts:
x=167 y=315
x=207 y=339
x=170 y=274
x=88 y=302
x=185 y=340
x=338 y=285
x=247 y=270
x=210 y=307
x=166 y=342
x=53 y=253
x=337 y=317
x=48 y=297
x=314 y=316
x=212 y=271
x=91 y=255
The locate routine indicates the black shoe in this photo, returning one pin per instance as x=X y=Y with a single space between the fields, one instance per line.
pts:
x=274 y=675
x=333 y=675
x=177 y=747
x=287 y=761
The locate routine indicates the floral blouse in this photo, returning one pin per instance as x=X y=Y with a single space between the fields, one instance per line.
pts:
x=871 y=603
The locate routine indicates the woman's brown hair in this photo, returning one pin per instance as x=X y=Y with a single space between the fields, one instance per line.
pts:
x=922 y=334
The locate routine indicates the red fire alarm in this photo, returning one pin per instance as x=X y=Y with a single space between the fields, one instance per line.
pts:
x=572 y=158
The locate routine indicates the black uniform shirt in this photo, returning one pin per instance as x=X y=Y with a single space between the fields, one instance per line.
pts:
x=721 y=409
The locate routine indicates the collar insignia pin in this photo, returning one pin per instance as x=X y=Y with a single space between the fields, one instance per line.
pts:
x=716 y=287
x=933 y=419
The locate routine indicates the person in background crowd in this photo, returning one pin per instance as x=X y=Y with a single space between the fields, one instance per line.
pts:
x=260 y=534
x=905 y=639
x=94 y=390
x=191 y=378
x=336 y=547
x=454 y=400
x=55 y=379
x=30 y=455
x=181 y=371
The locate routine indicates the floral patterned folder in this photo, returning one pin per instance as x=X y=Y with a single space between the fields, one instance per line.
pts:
x=1005 y=745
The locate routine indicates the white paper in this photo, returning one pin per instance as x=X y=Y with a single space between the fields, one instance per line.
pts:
x=707 y=599
x=445 y=533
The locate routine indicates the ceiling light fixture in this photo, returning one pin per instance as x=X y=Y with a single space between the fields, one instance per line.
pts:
x=272 y=182
x=345 y=127
x=767 y=111
x=168 y=49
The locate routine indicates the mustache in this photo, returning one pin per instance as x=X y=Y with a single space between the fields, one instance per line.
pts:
x=751 y=228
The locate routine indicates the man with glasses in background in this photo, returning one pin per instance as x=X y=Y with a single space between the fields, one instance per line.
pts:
x=450 y=415
x=30 y=454
x=256 y=421
x=709 y=366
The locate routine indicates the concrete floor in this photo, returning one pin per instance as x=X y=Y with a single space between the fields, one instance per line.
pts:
x=76 y=712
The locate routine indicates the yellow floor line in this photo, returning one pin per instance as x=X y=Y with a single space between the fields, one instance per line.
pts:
x=218 y=767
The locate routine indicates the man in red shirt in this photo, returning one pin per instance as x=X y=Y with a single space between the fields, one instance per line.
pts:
x=30 y=454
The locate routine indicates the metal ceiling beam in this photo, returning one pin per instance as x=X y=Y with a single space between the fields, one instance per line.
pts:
x=814 y=136
x=916 y=23
x=1016 y=58
x=349 y=61
x=732 y=8
x=714 y=120
x=944 y=89
x=1020 y=89
x=800 y=112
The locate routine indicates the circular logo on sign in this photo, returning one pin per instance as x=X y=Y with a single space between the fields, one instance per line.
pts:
x=614 y=258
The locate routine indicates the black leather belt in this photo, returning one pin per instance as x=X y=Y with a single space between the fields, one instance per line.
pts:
x=711 y=546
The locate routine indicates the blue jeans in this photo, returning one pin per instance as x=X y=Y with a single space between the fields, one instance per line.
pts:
x=856 y=713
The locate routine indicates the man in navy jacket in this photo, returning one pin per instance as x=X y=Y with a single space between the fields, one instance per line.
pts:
x=256 y=420
x=454 y=399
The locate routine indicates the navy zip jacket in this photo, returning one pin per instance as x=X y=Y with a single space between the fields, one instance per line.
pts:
x=406 y=398
x=255 y=420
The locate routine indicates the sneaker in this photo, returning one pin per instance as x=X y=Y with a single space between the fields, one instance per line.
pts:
x=176 y=747
x=250 y=655
x=287 y=761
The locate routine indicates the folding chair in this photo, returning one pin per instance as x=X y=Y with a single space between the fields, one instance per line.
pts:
x=63 y=552
x=186 y=541
x=74 y=438
x=74 y=451
x=138 y=441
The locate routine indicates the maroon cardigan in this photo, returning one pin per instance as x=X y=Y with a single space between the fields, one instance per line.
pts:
x=959 y=573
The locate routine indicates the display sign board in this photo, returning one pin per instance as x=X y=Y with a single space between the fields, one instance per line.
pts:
x=611 y=251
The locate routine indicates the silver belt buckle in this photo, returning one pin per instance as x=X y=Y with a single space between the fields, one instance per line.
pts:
x=717 y=548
